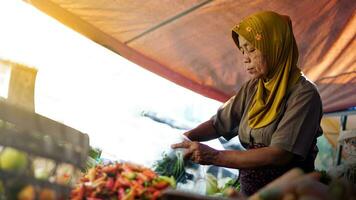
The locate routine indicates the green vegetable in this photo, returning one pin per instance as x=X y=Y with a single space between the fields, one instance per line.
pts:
x=94 y=153
x=211 y=184
x=230 y=187
x=170 y=180
x=129 y=175
x=172 y=166
x=93 y=158
x=12 y=159
x=235 y=184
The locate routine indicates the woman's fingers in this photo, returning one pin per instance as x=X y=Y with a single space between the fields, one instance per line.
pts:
x=196 y=152
x=190 y=149
x=188 y=154
x=185 y=144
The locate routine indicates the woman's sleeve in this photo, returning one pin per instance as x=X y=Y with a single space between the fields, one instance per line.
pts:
x=300 y=123
x=227 y=119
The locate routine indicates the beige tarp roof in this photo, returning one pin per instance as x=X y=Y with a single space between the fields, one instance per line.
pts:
x=189 y=41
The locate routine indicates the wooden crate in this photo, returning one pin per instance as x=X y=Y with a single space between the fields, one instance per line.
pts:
x=40 y=138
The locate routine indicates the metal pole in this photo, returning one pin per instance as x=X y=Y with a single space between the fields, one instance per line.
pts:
x=343 y=121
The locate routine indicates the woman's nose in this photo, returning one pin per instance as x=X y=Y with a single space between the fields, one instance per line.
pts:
x=246 y=58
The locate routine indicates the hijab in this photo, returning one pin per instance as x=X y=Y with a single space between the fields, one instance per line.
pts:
x=272 y=34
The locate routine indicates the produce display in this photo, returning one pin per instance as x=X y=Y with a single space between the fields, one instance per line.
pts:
x=18 y=165
x=174 y=165
x=123 y=181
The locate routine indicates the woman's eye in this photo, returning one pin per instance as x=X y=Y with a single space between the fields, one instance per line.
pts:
x=252 y=50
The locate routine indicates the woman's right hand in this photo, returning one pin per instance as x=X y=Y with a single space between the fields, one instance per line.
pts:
x=198 y=152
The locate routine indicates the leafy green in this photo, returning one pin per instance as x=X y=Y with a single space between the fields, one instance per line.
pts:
x=232 y=184
x=225 y=191
x=93 y=158
x=172 y=167
x=211 y=184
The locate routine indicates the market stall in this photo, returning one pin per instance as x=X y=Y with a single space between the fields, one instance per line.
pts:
x=159 y=41
x=325 y=41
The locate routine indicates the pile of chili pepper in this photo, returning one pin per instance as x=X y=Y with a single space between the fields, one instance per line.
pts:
x=121 y=181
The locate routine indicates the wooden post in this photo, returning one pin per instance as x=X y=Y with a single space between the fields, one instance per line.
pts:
x=21 y=91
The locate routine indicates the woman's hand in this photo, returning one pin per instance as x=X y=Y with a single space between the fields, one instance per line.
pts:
x=198 y=152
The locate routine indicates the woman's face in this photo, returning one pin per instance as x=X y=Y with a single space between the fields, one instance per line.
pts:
x=254 y=62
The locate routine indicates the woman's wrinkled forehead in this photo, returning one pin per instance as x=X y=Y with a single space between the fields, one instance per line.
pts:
x=243 y=43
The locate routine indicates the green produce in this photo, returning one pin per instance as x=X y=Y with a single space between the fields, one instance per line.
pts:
x=93 y=159
x=235 y=184
x=211 y=184
x=41 y=174
x=42 y=168
x=94 y=153
x=170 y=180
x=231 y=187
x=12 y=159
x=172 y=167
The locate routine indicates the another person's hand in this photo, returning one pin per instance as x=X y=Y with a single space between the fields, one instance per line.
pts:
x=198 y=152
x=294 y=185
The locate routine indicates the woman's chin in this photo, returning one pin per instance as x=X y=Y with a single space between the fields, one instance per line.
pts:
x=253 y=75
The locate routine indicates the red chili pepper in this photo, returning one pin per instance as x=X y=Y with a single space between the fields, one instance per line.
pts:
x=84 y=179
x=110 y=169
x=156 y=195
x=140 y=181
x=93 y=198
x=149 y=173
x=78 y=193
x=139 y=189
x=130 y=195
x=161 y=185
x=151 y=189
x=110 y=184
x=117 y=183
x=127 y=168
x=142 y=177
x=120 y=193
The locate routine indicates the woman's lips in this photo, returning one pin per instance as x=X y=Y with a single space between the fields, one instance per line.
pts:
x=250 y=70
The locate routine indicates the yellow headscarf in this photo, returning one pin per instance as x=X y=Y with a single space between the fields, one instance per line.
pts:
x=272 y=34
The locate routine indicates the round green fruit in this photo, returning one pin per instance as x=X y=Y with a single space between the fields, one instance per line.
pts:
x=12 y=159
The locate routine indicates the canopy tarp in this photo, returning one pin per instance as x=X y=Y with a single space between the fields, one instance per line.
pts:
x=189 y=41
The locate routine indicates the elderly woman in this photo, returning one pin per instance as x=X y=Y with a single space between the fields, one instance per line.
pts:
x=276 y=114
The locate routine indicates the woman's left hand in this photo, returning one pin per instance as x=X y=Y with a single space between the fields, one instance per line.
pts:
x=198 y=152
